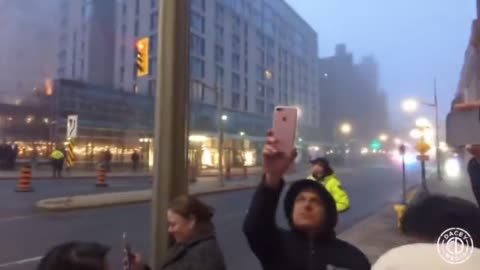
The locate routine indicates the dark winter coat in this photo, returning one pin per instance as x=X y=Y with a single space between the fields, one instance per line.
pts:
x=279 y=249
x=201 y=253
x=474 y=173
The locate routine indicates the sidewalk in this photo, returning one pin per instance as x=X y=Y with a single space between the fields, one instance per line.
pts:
x=378 y=233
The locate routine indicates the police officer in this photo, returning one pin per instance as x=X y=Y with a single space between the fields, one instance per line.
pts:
x=323 y=173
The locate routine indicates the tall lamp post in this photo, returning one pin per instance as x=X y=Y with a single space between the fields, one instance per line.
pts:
x=411 y=105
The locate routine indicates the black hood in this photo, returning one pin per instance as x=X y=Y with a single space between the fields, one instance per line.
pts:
x=330 y=206
x=327 y=169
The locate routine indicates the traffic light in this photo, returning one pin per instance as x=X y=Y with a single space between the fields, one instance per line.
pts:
x=142 y=52
x=375 y=144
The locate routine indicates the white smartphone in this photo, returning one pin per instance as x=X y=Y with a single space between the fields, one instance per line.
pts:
x=463 y=128
x=285 y=127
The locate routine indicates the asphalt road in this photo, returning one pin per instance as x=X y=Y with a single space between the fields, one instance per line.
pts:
x=25 y=234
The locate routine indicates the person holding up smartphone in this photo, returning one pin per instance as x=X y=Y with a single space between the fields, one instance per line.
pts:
x=311 y=242
x=474 y=163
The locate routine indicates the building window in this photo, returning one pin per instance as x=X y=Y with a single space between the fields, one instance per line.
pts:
x=153 y=65
x=137 y=28
x=152 y=85
x=245 y=103
x=219 y=12
x=124 y=29
x=235 y=101
x=137 y=7
x=218 y=54
x=153 y=3
x=236 y=23
x=236 y=61
x=197 y=45
x=197 y=91
x=236 y=42
x=153 y=20
x=198 y=4
x=218 y=75
x=122 y=53
x=197 y=67
x=235 y=82
x=124 y=8
x=261 y=56
x=197 y=22
x=219 y=34
x=122 y=74
x=245 y=86
x=260 y=73
x=260 y=106
x=260 y=90
x=246 y=66
x=270 y=108
x=153 y=45
x=270 y=60
x=270 y=92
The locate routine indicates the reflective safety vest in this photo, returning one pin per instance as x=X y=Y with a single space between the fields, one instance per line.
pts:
x=334 y=186
x=57 y=154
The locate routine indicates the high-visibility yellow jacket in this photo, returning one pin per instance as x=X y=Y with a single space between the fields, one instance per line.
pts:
x=334 y=186
x=57 y=154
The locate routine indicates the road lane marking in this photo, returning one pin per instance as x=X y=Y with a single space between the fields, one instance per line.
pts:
x=15 y=218
x=19 y=262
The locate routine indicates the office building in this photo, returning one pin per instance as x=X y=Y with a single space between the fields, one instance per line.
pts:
x=350 y=94
x=260 y=53
x=86 y=41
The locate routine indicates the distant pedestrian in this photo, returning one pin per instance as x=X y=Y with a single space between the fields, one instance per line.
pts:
x=135 y=160
x=76 y=256
x=57 y=159
x=323 y=173
x=191 y=228
x=107 y=160
x=311 y=242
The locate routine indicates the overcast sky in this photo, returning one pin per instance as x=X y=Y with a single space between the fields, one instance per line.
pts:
x=413 y=40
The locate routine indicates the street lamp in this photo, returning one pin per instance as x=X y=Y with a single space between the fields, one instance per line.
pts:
x=423 y=122
x=383 y=137
x=346 y=128
x=242 y=133
x=415 y=134
x=397 y=141
x=224 y=117
x=411 y=105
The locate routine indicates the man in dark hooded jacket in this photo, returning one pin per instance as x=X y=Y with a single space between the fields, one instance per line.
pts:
x=311 y=242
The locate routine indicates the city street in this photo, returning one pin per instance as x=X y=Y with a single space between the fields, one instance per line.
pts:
x=26 y=234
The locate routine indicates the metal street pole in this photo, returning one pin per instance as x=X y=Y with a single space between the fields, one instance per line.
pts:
x=221 y=177
x=170 y=177
x=404 y=177
x=437 y=131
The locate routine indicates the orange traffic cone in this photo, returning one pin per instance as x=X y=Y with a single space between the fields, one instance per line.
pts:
x=24 y=183
x=102 y=177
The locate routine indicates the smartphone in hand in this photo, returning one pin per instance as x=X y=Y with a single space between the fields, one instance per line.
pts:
x=285 y=127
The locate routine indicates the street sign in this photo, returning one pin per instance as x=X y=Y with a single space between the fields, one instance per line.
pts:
x=402 y=149
x=72 y=126
x=423 y=157
x=422 y=147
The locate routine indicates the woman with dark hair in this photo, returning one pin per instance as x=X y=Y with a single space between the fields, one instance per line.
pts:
x=195 y=246
x=76 y=256
x=323 y=173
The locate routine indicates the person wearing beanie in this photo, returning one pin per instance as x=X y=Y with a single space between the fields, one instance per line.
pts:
x=310 y=242
x=323 y=173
